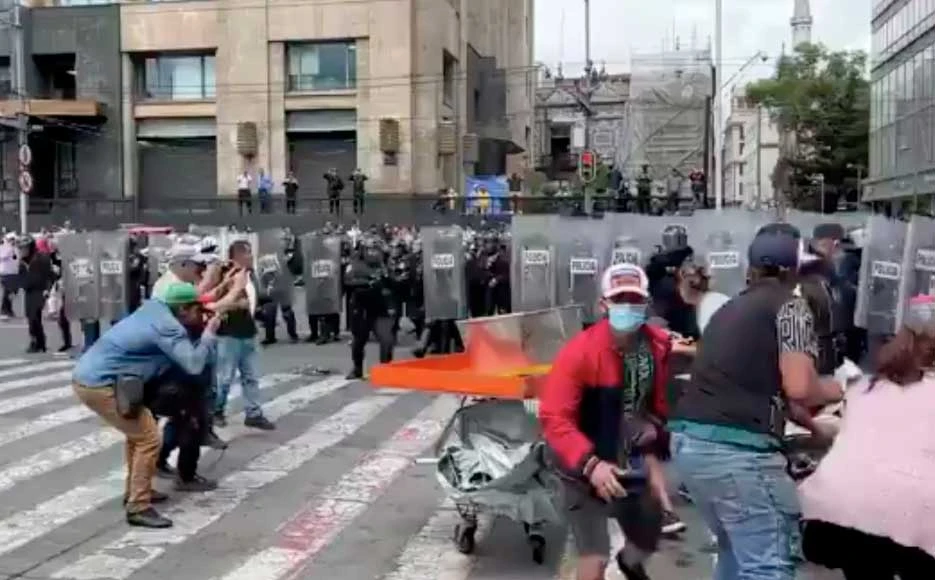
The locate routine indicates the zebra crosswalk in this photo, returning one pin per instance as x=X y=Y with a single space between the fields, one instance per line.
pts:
x=342 y=489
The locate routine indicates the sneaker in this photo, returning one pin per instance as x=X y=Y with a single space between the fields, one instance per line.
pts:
x=355 y=375
x=259 y=422
x=64 y=349
x=154 y=497
x=212 y=440
x=165 y=471
x=637 y=572
x=148 y=518
x=219 y=419
x=197 y=483
x=671 y=523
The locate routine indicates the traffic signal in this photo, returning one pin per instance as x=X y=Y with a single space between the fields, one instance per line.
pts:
x=587 y=166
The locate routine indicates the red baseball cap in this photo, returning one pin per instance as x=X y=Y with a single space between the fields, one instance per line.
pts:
x=624 y=279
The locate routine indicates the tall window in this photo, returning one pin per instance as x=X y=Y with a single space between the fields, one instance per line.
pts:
x=322 y=66
x=178 y=77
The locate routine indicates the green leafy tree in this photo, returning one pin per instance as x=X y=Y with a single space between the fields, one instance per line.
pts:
x=820 y=101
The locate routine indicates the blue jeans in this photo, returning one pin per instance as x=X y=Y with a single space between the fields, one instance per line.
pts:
x=238 y=354
x=748 y=501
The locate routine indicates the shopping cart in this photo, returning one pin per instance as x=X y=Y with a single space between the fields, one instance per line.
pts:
x=491 y=456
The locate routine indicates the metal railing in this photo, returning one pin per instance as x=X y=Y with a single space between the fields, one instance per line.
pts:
x=306 y=213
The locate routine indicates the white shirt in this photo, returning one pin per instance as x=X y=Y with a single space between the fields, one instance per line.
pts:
x=710 y=303
x=243 y=182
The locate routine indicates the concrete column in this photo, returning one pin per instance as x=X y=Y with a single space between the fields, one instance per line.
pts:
x=278 y=151
x=128 y=126
x=243 y=92
x=369 y=156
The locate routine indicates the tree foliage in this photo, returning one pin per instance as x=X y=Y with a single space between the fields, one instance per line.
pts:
x=820 y=101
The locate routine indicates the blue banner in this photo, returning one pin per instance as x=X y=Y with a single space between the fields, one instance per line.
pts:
x=487 y=194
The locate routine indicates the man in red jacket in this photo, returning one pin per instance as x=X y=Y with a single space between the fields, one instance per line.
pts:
x=603 y=410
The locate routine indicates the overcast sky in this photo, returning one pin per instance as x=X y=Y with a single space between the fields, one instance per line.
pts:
x=622 y=27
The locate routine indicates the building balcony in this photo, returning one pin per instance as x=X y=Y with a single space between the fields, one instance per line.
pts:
x=52 y=107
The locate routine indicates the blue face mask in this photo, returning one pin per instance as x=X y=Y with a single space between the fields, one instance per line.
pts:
x=626 y=317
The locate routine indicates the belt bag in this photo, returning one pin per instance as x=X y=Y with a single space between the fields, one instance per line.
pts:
x=129 y=395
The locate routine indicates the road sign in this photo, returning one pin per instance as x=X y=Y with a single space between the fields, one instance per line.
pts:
x=25 y=156
x=587 y=165
x=25 y=181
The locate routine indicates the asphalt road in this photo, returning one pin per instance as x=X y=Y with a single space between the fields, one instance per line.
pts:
x=343 y=489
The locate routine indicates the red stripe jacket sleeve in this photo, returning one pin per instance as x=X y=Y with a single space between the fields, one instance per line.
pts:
x=559 y=403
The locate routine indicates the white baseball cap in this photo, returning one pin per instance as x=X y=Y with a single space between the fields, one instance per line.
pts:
x=624 y=279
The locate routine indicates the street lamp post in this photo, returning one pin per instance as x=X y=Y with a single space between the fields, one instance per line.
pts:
x=718 y=110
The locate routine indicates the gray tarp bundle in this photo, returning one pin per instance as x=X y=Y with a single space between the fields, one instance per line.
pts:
x=491 y=455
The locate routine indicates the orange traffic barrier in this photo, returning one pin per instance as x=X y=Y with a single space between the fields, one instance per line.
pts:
x=454 y=374
x=506 y=356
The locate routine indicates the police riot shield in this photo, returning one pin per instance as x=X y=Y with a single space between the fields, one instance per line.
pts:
x=156 y=264
x=631 y=238
x=112 y=251
x=725 y=258
x=582 y=257
x=272 y=267
x=322 y=273
x=533 y=263
x=918 y=262
x=878 y=295
x=79 y=276
x=444 y=273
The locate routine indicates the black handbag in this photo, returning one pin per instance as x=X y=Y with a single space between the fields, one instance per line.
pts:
x=129 y=394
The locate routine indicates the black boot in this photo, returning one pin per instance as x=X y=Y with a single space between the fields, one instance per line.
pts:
x=635 y=572
x=148 y=518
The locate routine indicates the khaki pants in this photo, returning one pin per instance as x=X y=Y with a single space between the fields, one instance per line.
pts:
x=143 y=443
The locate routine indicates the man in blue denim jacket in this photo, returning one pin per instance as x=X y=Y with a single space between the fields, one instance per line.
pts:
x=151 y=343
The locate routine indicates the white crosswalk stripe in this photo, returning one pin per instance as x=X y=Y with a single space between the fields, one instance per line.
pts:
x=361 y=446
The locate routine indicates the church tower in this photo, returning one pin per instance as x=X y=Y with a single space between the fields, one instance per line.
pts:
x=801 y=23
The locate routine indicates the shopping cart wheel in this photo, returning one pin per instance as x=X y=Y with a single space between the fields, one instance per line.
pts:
x=537 y=544
x=464 y=538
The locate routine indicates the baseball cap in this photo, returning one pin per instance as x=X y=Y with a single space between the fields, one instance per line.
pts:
x=778 y=248
x=624 y=279
x=180 y=293
x=181 y=253
x=775 y=249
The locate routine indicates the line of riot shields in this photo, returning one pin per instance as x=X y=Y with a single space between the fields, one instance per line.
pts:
x=554 y=261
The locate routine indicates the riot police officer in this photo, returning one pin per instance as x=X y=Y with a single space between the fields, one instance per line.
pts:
x=372 y=304
x=663 y=286
x=494 y=272
x=277 y=288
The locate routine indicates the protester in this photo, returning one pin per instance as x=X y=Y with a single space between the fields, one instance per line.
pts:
x=9 y=273
x=758 y=352
x=134 y=358
x=879 y=525
x=238 y=350
x=602 y=410
x=36 y=279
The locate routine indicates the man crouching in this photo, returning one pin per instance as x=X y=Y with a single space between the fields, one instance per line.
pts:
x=131 y=360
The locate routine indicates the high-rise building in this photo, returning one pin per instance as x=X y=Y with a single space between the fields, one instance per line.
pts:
x=161 y=100
x=902 y=118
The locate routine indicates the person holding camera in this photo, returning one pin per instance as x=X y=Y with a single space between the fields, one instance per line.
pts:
x=138 y=356
x=603 y=410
